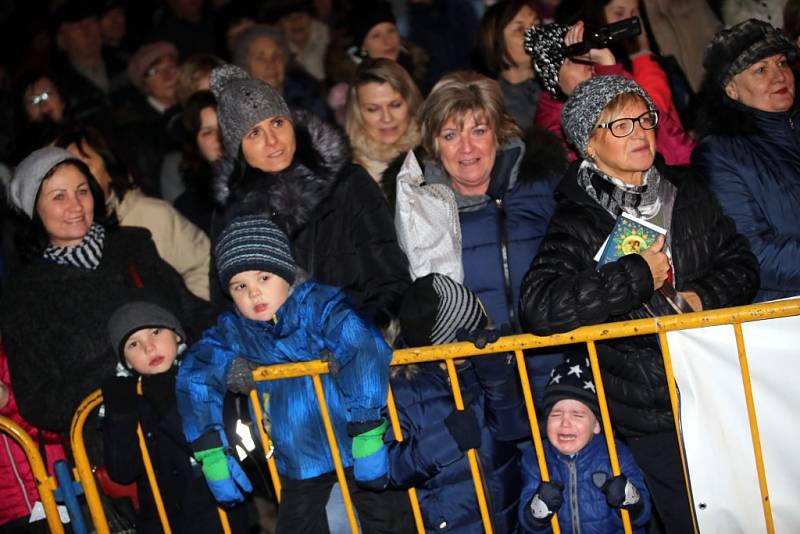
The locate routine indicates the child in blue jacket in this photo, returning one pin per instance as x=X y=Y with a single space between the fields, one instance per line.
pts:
x=579 y=465
x=276 y=322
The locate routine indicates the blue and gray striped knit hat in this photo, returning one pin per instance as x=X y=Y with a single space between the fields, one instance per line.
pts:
x=253 y=243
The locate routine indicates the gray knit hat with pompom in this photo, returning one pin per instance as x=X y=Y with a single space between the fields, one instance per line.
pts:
x=587 y=102
x=242 y=102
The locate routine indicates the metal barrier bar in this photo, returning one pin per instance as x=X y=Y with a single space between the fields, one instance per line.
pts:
x=472 y=455
x=151 y=478
x=605 y=418
x=398 y=435
x=522 y=369
x=673 y=397
x=83 y=467
x=45 y=483
x=259 y=415
x=751 y=414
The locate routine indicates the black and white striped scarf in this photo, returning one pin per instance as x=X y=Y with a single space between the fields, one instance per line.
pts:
x=86 y=254
x=615 y=195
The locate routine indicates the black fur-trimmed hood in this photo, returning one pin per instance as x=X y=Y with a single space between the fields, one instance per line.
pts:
x=288 y=197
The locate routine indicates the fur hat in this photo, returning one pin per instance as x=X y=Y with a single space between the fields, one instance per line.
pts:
x=545 y=45
x=253 y=243
x=587 y=102
x=29 y=174
x=242 y=102
x=134 y=316
x=147 y=56
x=734 y=49
x=571 y=380
x=435 y=308
x=365 y=15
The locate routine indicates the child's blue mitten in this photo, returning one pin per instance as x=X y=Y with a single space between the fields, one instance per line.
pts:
x=224 y=475
x=371 y=457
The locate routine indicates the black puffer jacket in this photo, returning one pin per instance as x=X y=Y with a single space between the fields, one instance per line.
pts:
x=334 y=213
x=54 y=320
x=564 y=290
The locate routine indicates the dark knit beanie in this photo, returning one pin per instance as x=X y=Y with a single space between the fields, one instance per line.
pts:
x=72 y=11
x=571 y=380
x=733 y=50
x=588 y=101
x=253 y=243
x=545 y=45
x=435 y=308
x=365 y=15
x=242 y=102
x=134 y=316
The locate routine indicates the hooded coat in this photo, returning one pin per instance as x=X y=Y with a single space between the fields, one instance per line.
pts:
x=752 y=161
x=564 y=290
x=333 y=213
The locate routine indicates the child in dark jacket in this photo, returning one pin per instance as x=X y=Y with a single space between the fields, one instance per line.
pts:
x=148 y=339
x=579 y=465
x=277 y=322
x=432 y=456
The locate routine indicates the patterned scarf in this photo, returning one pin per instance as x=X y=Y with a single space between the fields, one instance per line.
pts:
x=616 y=196
x=85 y=255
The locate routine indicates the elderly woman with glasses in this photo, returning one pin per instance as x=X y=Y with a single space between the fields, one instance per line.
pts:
x=703 y=263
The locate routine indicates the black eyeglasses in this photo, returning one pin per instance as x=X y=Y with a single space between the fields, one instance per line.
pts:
x=44 y=96
x=624 y=127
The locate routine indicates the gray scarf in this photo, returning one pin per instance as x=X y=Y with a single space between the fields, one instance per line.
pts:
x=85 y=255
x=616 y=196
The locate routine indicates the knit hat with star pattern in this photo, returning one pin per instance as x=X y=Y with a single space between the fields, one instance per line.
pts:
x=571 y=380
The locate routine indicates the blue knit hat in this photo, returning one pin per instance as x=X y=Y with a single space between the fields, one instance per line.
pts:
x=253 y=243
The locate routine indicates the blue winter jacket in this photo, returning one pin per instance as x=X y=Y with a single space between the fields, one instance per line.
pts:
x=429 y=459
x=583 y=501
x=755 y=174
x=314 y=319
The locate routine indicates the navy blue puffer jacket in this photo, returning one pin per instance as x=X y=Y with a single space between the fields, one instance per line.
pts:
x=753 y=163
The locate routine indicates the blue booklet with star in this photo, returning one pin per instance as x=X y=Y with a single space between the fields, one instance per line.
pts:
x=630 y=235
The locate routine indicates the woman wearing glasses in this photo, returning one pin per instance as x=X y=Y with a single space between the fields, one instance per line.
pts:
x=612 y=121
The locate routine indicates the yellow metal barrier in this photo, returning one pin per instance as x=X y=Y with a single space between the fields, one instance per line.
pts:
x=45 y=483
x=516 y=345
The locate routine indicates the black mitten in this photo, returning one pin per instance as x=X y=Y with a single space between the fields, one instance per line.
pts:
x=240 y=376
x=119 y=394
x=620 y=493
x=463 y=426
x=160 y=389
x=546 y=501
x=480 y=337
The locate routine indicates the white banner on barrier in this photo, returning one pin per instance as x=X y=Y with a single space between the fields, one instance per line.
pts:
x=716 y=431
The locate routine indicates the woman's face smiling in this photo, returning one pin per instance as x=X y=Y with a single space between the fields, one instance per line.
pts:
x=468 y=153
x=66 y=206
x=270 y=145
x=384 y=112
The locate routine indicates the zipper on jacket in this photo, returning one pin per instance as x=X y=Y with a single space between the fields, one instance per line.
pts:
x=573 y=497
x=503 y=237
x=17 y=476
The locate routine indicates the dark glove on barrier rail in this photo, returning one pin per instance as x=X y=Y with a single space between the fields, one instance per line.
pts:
x=463 y=426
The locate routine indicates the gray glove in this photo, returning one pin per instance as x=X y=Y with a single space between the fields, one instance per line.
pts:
x=240 y=376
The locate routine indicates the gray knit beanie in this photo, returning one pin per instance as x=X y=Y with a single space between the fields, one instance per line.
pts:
x=734 y=49
x=242 y=102
x=545 y=45
x=29 y=174
x=584 y=106
x=253 y=243
x=136 y=315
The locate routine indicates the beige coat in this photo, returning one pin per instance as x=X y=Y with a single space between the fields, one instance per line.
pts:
x=179 y=242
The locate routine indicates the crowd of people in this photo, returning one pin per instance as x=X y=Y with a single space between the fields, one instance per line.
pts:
x=197 y=189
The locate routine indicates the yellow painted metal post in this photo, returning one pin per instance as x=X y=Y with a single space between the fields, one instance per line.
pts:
x=82 y=466
x=337 y=460
x=673 y=397
x=472 y=455
x=273 y=469
x=522 y=369
x=44 y=482
x=751 y=414
x=606 y=421
x=398 y=435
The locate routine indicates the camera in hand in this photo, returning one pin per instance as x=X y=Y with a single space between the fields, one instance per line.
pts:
x=604 y=36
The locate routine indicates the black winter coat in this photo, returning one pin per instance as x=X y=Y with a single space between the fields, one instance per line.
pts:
x=334 y=213
x=54 y=317
x=564 y=290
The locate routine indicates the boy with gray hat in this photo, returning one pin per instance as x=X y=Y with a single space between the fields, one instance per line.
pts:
x=148 y=340
x=279 y=318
